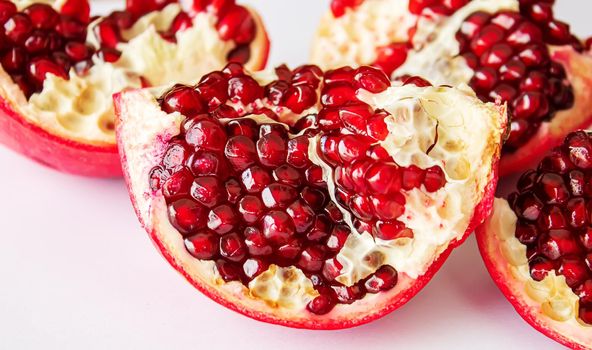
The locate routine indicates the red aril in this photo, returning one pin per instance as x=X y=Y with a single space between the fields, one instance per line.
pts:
x=304 y=224
x=513 y=51
x=539 y=254
x=59 y=70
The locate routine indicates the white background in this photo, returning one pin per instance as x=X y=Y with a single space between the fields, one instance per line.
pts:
x=78 y=272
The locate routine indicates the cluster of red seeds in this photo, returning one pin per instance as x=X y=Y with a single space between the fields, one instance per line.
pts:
x=554 y=209
x=508 y=52
x=234 y=23
x=39 y=41
x=369 y=181
x=246 y=195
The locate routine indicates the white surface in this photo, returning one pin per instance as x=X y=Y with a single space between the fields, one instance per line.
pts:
x=78 y=272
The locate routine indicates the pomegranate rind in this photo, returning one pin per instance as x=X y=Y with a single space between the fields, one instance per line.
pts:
x=24 y=135
x=343 y=35
x=139 y=153
x=577 y=66
x=575 y=337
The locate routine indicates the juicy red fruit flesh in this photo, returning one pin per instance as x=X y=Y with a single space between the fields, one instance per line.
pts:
x=510 y=56
x=39 y=41
x=246 y=195
x=553 y=205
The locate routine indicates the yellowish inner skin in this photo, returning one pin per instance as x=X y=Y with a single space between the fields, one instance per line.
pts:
x=552 y=295
x=81 y=108
x=435 y=218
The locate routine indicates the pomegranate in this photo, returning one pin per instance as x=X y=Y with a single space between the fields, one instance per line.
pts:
x=59 y=69
x=306 y=198
x=513 y=51
x=537 y=244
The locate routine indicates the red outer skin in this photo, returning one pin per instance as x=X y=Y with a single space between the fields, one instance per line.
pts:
x=69 y=156
x=551 y=133
x=53 y=151
x=485 y=241
x=481 y=212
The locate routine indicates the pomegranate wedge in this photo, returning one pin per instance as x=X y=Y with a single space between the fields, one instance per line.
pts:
x=537 y=245
x=309 y=199
x=507 y=50
x=59 y=69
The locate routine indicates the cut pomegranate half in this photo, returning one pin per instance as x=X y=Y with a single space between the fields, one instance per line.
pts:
x=309 y=199
x=513 y=51
x=59 y=69
x=537 y=245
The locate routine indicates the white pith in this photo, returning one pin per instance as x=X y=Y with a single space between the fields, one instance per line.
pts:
x=437 y=219
x=466 y=129
x=435 y=55
x=550 y=302
x=435 y=48
x=353 y=38
x=81 y=108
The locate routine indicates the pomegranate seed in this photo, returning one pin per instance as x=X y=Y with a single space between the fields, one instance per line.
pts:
x=177 y=185
x=338 y=95
x=228 y=271
x=238 y=25
x=272 y=150
x=579 y=148
x=575 y=271
x=17 y=28
x=240 y=54
x=371 y=79
x=584 y=292
x=526 y=233
x=278 y=227
x=278 y=195
x=299 y=98
x=7 y=9
x=36 y=43
x=78 y=9
x=14 y=60
x=183 y=99
x=321 y=305
x=241 y=152
x=206 y=135
x=312 y=259
x=232 y=247
x=540 y=268
x=355 y=117
x=298 y=152
x=207 y=191
x=222 y=219
x=551 y=189
x=254 y=267
x=558 y=243
x=244 y=89
x=256 y=242
x=42 y=16
x=40 y=67
x=434 y=179
x=203 y=246
x=187 y=216
x=108 y=55
x=384 y=179
x=385 y=278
